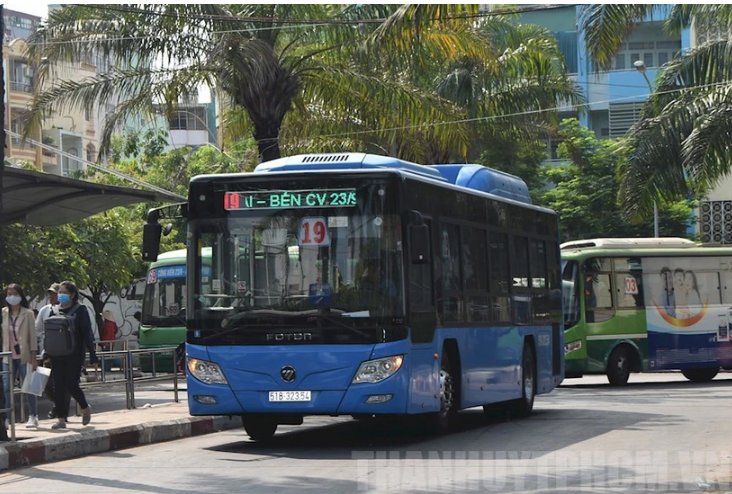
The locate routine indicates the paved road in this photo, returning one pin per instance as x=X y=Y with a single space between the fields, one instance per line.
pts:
x=662 y=434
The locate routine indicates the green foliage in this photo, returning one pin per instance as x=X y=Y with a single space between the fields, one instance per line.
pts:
x=586 y=189
x=518 y=157
x=37 y=256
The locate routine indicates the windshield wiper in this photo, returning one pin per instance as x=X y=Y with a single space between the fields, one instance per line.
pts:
x=332 y=320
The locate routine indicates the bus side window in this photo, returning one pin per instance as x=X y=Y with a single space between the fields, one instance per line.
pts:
x=598 y=290
x=629 y=283
x=570 y=293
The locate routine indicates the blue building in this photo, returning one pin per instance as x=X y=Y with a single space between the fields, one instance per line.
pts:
x=614 y=96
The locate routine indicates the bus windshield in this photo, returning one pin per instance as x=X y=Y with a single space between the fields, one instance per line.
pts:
x=290 y=266
x=164 y=301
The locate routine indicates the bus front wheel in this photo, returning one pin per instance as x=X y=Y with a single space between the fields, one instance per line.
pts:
x=259 y=428
x=525 y=405
x=700 y=375
x=619 y=366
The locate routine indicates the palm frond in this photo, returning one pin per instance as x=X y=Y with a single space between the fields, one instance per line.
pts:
x=605 y=27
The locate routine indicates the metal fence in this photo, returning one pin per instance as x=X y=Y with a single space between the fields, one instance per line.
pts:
x=9 y=410
x=126 y=358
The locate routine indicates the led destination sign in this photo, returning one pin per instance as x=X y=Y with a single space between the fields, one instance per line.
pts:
x=281 y=199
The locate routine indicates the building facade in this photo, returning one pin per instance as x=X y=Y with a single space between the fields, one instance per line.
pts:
x=615 y=96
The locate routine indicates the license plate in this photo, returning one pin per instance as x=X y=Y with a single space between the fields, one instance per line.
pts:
x=289 y=396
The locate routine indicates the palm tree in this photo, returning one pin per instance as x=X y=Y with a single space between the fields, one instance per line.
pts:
x=288 y=71
x=267 y=60
x=678 y=148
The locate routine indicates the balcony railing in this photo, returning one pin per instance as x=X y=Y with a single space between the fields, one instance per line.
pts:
x=24 y=87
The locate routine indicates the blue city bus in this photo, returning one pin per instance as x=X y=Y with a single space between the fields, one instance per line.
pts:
x=363 y=285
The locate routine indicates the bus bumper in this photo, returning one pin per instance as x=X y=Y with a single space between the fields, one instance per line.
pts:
x=389 y=396
x=575 y=367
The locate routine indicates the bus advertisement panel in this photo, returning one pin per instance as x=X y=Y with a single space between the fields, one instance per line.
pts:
x=687 y=324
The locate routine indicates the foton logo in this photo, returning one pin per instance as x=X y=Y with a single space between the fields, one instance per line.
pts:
x=282 y=337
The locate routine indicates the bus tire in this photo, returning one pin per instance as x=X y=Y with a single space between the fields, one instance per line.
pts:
x=523 y=407
x=619 y=366
x=259 y=428
x=442 y=421
x=700 y=375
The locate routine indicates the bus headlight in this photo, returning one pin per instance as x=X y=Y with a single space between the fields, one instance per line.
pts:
x=374 y=371
x=571 y=347
x=206 y=372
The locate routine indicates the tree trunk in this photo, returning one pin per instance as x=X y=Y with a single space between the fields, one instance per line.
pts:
x=267 y=137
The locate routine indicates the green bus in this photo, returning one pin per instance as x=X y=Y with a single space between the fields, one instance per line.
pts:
x=646 y=304
x=163 y=321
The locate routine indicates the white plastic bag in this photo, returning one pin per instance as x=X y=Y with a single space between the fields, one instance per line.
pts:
x=35 y=381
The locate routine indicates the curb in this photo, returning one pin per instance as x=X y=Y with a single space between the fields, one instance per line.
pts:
x=25 y=454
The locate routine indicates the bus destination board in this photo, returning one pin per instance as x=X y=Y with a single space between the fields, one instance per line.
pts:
x=287 y=199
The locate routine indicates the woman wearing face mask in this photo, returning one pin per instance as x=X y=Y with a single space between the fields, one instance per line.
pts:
x=66 y=371
x=19 y=337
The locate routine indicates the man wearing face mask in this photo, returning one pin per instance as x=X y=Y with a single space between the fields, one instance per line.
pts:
x=51 y=309
x=67 y=367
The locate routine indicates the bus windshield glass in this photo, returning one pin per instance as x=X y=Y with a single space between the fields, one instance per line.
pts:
x=164 y=301
x=338 y=263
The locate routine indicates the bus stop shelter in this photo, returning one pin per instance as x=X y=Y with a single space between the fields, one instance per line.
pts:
x=36 y=198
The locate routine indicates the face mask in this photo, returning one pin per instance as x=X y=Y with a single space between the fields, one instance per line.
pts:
x=13 y=299
x=64 y=298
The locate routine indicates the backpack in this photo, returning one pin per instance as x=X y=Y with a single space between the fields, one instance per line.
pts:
x=60 y=334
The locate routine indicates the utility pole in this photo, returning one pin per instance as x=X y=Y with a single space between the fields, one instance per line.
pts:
x=640 y=66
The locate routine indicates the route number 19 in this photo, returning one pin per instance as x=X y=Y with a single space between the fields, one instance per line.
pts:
x=313 y=231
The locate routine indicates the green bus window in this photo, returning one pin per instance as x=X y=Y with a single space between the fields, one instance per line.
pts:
x=598 y=290
x=629 y=283
x=570 y=293
x=630 y=290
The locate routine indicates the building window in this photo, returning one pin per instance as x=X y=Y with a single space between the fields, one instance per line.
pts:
x=91 y=153
x=21 y=76
x=648 y=59
x=16 y=127
x=620 y=61
x=68 y=164
x=188 y=119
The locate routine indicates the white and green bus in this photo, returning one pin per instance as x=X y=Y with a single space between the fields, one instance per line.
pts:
x=646 y=304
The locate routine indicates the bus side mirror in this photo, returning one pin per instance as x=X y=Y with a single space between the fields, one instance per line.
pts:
x=151 y=241
x=419 y=244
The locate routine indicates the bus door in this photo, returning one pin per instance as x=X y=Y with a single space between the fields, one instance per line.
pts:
x=422 y=311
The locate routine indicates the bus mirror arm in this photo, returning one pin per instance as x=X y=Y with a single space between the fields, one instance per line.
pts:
x=152 y=230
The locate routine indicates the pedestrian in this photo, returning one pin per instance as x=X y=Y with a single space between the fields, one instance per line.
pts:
x=66 y=370
x=19 y=337
x=109 y=331
x=52 y=308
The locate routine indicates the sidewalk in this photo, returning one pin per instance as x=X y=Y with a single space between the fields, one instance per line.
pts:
x=108 y=431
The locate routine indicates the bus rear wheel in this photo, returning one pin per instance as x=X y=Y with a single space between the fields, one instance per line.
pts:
x=259 y=428
x=700 y=375
x=619 y=366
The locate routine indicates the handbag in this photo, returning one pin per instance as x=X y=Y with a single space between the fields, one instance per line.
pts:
x=35 y=380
